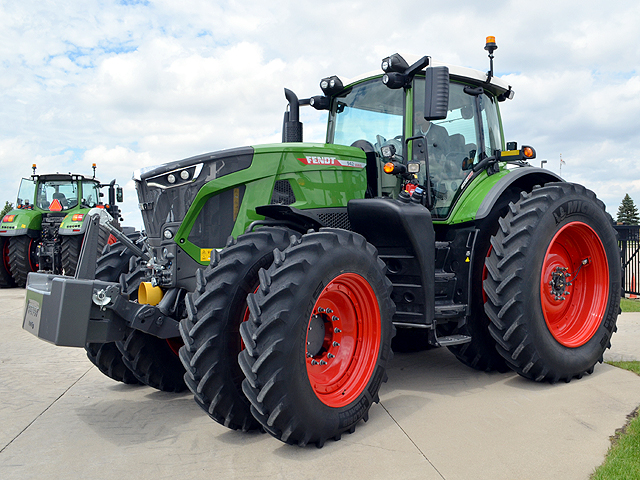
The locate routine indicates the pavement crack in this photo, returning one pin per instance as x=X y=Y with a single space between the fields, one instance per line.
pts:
x=44 y=411
x=411 y=440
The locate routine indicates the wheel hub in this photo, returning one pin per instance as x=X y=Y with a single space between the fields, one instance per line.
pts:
x=315 y=335
x=559 y=283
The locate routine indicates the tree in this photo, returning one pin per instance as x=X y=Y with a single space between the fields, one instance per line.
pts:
x=627 y=212
x=8 y=206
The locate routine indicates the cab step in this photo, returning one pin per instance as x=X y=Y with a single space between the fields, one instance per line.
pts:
x=447 y=340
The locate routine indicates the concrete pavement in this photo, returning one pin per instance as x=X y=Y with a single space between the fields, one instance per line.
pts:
x=60 y=417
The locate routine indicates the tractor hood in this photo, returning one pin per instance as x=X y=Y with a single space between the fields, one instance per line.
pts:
x=166 y=192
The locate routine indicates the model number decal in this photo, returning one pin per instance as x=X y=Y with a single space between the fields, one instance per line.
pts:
x=331 y=161
x=570 y=208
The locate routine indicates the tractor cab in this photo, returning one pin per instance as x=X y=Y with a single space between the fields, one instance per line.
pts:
x=58 y=193
x=393 y=116
x=428 y=124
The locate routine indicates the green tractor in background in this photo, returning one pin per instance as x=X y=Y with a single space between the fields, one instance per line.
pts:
x=45 y=230
x=280 y=274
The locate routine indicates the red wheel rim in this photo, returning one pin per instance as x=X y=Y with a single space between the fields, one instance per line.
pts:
x=175 y=344
x=574 y=286
x=33 y=255
x=245 y=318
x=342 y=351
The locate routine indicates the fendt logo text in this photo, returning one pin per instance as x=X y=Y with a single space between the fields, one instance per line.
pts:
x=331 y=161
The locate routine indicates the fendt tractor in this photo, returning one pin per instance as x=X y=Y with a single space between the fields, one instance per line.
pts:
x=273 y=278
x=45 y=230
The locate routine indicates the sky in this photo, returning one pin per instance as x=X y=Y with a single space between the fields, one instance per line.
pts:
x=130 y=84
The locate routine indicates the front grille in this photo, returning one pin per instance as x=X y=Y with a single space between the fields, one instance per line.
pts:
x=335 y=220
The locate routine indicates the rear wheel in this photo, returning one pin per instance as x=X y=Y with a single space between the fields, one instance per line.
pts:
x=22 y=258
x=553 y=284
x=154 y=361
x=6 y=280
x=318 y=338
x=481 y=353
x=211 y=331
x=70 y=247
x=108 y=359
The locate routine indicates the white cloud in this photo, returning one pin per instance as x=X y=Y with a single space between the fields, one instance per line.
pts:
x=129 y=84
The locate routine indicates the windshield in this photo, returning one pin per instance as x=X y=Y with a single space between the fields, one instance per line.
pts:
x=368 y=111
x=27 y=192
x=57 y=195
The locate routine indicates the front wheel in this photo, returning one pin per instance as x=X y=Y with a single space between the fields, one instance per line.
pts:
x=553 y=283
x=318 y=339
x=211 y=330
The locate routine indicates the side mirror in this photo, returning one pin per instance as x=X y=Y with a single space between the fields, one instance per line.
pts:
x=119 y=195
x=436 y=93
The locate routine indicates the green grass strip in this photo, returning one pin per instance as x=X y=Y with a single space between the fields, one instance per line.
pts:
x=623 y=458
x=630 y=305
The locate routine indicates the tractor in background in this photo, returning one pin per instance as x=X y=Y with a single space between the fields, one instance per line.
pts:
x=45 y=230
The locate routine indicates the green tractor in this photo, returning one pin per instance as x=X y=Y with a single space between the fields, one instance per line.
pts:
x=45 y=230
x=279 y=274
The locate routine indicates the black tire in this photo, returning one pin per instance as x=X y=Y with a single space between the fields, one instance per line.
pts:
x=6 y=280
x=154 y=361
x=211 y=331
x=281 y=344
x=551 y=317
x=70 y=247
x=106 y=356
x=481 y=353
x=108 y=359
x=22 y=258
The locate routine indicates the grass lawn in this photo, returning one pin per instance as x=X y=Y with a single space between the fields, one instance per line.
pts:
x=623 y=458
x=630 y=305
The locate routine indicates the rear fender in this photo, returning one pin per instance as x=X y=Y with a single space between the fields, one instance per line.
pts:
x=521 y=179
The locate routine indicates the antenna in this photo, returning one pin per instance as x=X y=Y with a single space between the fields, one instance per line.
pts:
x=490 y=47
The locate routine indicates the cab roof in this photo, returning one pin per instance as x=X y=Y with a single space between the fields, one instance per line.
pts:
x=496 y=85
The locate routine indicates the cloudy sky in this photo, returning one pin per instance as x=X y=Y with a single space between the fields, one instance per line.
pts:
x=130 y=83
